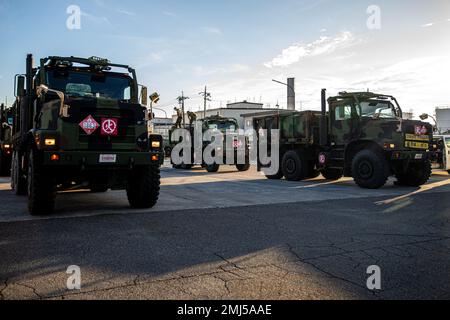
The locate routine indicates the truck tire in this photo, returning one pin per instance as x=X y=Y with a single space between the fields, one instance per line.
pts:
x=332 y=174
x=418 y=174
x=186 y=166
x=143 y=187
x=294 y=166
x=18 y=182
x=370 y=169
x=212 y=168
x=41 y=188
x=278 y=176
x=5 y=166
x=243 y=167
x=312 y=171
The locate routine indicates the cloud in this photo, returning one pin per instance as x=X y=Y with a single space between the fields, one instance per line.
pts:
x=324 y=45
x=125 y=12
x=427 y=25
x=156 y=57
x=212 y=30
x=170 y=14
x=96 y=19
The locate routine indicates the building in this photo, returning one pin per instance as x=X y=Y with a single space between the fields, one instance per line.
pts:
x=408 y=115
x=443 y=119
x=161 y=126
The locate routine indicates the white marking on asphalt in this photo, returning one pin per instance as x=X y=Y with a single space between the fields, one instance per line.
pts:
x=424 y=188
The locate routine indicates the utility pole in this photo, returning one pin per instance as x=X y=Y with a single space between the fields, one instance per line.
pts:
x=206 y=97
x=181 y=101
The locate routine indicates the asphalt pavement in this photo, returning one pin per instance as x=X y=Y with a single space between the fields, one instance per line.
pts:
x=232 y=235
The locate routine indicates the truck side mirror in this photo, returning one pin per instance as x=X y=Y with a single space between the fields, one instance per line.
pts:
x=20 y=86
x=144 y=93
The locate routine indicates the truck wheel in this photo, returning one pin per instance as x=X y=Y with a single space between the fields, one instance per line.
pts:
x=294 y=166
x=143 y=187
x=41 y=188
x=5 y=166
x=332 y=174
x=312 y=171
x=18 y=182
x=212 y=168
x=418 y=174
x=370 y=170
x=243 y=167
x=186 y=166
x=279 y=175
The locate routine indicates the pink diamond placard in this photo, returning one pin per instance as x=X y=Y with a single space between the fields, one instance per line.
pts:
x=89 y=125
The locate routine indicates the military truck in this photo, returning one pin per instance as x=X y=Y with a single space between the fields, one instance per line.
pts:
x=79 y=123
x=228 y=127
x=361 y=135
x=5 y=140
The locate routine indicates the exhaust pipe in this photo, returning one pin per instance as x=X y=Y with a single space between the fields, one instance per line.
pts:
x=323 y=120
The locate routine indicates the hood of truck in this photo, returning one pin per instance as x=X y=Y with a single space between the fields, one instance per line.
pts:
x=131 y=132
x=397 y=132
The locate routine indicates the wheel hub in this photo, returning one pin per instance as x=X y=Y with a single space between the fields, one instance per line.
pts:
x=365 y=169
x=290 y=166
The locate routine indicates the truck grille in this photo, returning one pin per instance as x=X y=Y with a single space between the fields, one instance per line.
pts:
x=126 y=129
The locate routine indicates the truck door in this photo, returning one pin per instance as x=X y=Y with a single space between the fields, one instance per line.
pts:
x=344 y=123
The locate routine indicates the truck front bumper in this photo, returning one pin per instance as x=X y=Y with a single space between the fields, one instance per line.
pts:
x=89 y=159
x=410 y=155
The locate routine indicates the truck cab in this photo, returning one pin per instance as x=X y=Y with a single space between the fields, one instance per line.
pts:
x=5 y=140
x=82 y=123
x=374 y=121
x=357 y=134
x=228 y=128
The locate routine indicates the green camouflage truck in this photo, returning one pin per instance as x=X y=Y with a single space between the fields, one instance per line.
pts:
x=5 y=140
x=228 y=127
x=80 y=124
x=361 y=135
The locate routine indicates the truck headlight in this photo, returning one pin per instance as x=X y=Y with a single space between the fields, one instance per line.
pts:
x=156 y=144
x=50 y=142
x=7 y=146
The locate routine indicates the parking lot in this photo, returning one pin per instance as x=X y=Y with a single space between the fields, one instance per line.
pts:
x=232 y=235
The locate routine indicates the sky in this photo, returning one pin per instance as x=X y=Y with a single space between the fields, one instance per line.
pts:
x=236 y=47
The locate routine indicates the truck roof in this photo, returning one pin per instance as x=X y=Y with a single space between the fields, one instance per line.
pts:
x=92 y=61
x=360 y=96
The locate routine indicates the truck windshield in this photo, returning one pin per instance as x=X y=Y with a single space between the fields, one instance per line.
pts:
x=84 y=84
x=222 y=126
x=380 y=109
